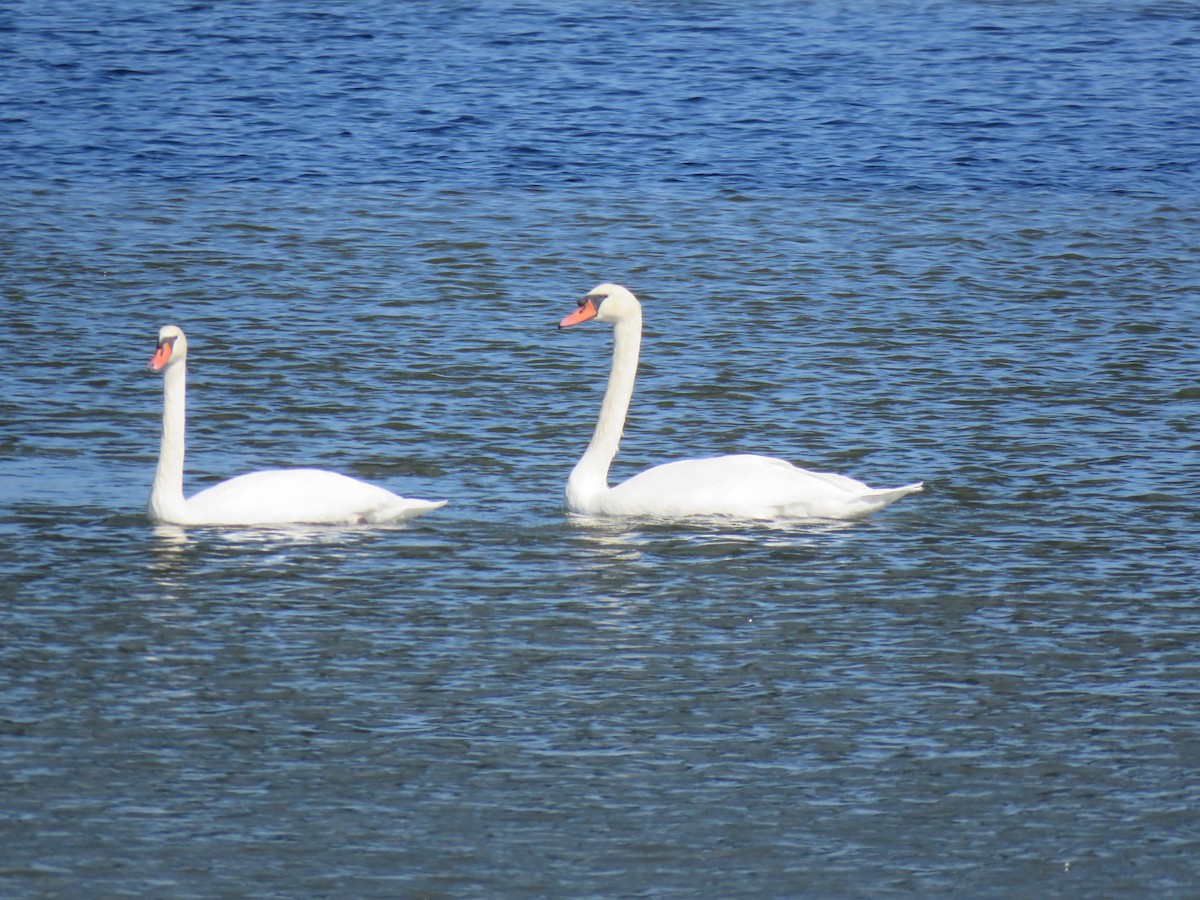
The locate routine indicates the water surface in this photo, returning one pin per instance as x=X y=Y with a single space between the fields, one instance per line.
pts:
x=944 y=241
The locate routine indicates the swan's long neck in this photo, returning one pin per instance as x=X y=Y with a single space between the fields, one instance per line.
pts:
x=589 y=478
x=166 y=496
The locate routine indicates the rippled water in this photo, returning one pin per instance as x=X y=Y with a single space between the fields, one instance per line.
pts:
x=954 y=242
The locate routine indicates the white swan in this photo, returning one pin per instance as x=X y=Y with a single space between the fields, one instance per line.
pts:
x=271 y=497
x=743 y=486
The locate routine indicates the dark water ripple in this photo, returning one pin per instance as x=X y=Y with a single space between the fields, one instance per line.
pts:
x=921 y=96
x=949 y=241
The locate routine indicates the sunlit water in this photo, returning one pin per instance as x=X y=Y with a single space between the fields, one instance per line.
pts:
x=949 y=242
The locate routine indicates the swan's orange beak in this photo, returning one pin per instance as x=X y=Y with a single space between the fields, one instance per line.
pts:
x=160 y=358
x=587 y=310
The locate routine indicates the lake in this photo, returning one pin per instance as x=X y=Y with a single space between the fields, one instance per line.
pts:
x=949 y=242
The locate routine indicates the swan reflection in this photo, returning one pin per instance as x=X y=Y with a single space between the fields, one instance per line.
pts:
x=627 y=539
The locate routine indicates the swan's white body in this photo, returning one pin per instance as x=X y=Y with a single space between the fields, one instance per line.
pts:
x=742 y=486
x=271 y=497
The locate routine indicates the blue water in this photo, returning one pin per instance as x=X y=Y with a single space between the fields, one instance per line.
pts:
x=856 y=97
x=954 y=242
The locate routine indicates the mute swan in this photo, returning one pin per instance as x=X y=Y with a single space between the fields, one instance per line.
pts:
x=742 y=486
x=272 y=497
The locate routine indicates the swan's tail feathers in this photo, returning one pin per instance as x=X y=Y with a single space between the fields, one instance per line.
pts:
x=409 y=508
x=881 y=497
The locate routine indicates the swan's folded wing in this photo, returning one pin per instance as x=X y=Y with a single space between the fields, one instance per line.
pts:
x=745 y=486
x=315 y=496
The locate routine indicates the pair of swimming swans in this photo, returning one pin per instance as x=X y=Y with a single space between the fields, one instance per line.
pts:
x=740 y=486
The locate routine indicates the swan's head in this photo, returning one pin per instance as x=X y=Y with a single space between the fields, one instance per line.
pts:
x=172 y=348
x=604 y=303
